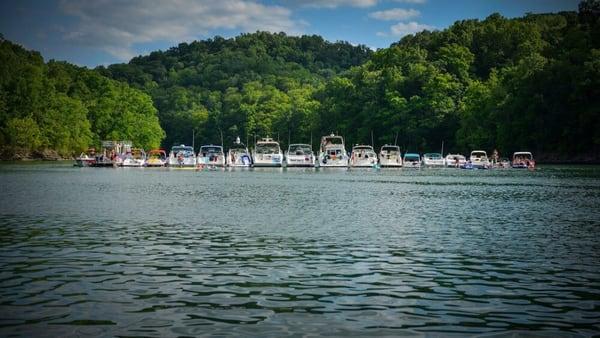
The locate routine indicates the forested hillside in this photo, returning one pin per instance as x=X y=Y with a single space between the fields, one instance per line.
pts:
x=255 y=84
x=65 y=109
x=529 y=83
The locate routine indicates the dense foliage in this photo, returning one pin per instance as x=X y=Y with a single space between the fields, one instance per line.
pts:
x=529 y=83
x=65 y=108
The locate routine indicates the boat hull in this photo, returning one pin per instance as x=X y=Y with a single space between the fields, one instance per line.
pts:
x=299 y=161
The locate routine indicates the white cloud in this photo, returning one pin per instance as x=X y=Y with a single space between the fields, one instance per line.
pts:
x=401 y=29
x=116 y=26
x=411 y=1
x=395 y=14
x=338 y=3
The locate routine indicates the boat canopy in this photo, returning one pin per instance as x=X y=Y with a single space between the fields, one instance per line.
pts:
x=299 y=149
x=267 y=147
x=362 y=147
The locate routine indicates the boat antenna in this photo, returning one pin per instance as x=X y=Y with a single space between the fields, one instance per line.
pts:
x=221 y=131
x=193 y=138
x=372 y=143
x=396 y=139
x=311 y=139
x=442 y=148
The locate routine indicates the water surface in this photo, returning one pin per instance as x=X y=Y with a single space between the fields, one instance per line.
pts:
x=272 y=252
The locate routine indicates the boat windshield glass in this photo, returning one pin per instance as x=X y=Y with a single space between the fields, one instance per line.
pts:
x=433 y=156
x=411 y=158
x=390 y=149
x=186 y=151
x=211 y=149
x=267 y=148
x=522 y=156
x=299 y=149
x=156 y=155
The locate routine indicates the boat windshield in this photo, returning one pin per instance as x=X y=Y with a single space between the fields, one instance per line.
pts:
x=433 y=156
x=329 y=141
x=453 y=157
x=157 y=155
x=238 y=149
x=186 y=151
x=267 y=148
x=478 y=154
x=522 y=156
x=137 y=154
x=211 y=149
x=411 y=157
x=299 y=149
x=390 y=149
x=362 y=148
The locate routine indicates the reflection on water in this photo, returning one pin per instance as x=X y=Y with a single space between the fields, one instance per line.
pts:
x=139 y=252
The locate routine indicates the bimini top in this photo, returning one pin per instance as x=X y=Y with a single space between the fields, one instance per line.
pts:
x=433 y=156
x=299 y=149
x=362 y=147
x=389 y=148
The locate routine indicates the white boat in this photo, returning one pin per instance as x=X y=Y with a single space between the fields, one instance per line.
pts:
x=523 y=160
x=479 y=159
x=412 y=160
x=363 y=156
x=455 y=160
x=86 y=159
x=134 y=158
x=390 y=156
x=333 y=152
x=267 y=153
x=156 y=158
x=299 y=155
x=182 y=156
x=211 y=156
x=238 y=155
x=433 y=160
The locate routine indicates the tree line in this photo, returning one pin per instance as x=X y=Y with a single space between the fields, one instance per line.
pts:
x=528 y=83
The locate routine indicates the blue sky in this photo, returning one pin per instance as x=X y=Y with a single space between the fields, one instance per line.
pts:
x=90 y=33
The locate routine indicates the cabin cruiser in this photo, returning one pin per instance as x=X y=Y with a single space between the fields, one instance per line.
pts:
x=299 y=155
x=267 y=153
x=479 y=159
x=182 y=156
x=390 y=156
x=211 y=155
x=412 y=160
x=238 y=155
x=455 y=160
x=363 y=156
x=156 y=158
x=433 y=160
x=134 y=158
x=333 y=152
x=523 y=160
x=110 y=154
x=86 y=159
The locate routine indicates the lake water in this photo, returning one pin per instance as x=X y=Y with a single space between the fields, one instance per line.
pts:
x=158 y=252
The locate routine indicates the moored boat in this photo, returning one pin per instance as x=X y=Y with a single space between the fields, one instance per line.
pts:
x=523 y=160
x=86 y=159
x=390 y=156
x=267 y=153
x=238 y=155
x=479 y=159
x=363 y=156
x=455 y=160
x=412 y=160
x=156 y=158
x=333 y=152
x=182 y=156
x=299 y=155
x=433 y=160
x=135 y=158
x=211 y=156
